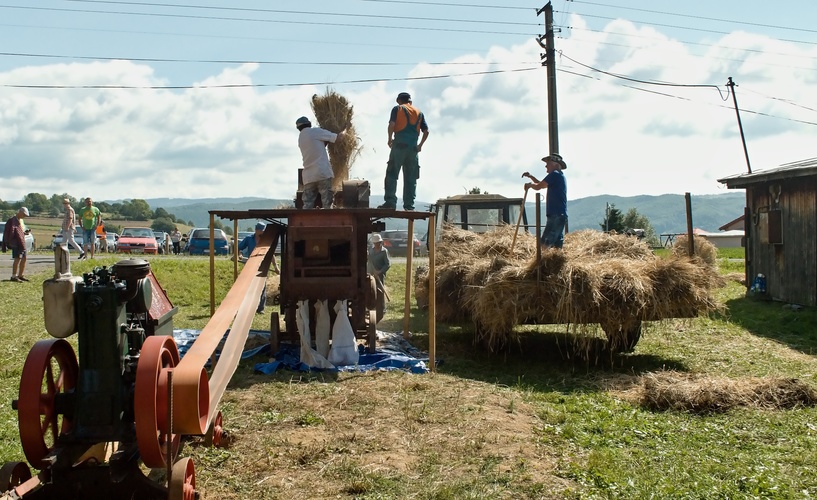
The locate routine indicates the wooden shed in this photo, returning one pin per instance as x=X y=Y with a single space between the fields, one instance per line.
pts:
x=781 y=229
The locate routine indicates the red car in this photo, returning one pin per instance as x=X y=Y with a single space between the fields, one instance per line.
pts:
x=137 y=240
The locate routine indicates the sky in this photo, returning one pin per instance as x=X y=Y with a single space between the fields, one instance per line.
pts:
x=198 y=98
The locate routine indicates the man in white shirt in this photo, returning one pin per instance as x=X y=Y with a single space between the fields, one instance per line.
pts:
x=317 y=175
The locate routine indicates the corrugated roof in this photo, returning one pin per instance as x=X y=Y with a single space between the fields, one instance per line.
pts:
x=802 y=168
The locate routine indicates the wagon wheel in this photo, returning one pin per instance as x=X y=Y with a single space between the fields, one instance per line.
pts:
x=216 y=436
x=13 y=474
x=371 y=332
x=371 y=293
x=50 y=370
x=274 y=334
x=183 y=481
x=158 y=357
x=623 y=338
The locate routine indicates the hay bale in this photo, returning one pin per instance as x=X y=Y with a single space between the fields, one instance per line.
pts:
x=334 y=113
x=614 y=281
x=704 y=249
x=676 y=391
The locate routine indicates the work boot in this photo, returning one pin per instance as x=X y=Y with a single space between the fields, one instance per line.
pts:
x=388 y=206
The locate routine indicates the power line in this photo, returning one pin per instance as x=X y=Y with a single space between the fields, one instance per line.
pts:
x=259 y=85
x=691 y=16
x=275 y=21
x=445 y=4
x=675 y=26
x=281 y=11
x=248 y=61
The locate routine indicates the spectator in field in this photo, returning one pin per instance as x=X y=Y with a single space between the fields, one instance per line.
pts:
x=69 y=227
x=556 y=201
x=318 y=174
x=176 y=238
x=90 y=218
x=14 y=237
x=102 y=236
x=406 y=124
x=246 y=247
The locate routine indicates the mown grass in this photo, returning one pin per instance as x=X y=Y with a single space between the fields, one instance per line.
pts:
x=530 y=422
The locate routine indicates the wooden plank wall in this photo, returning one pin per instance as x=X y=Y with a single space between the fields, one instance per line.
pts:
x=790 y=268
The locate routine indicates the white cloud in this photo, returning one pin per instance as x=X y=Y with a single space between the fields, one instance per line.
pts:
x=485 y=129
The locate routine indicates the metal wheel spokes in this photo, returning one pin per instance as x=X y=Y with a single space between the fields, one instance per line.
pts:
x=183 y=481
x=13 y=474
x=50 y=369
x=159 y=355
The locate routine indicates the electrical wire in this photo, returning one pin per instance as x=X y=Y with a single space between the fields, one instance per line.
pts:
x=445 y=4
x=264 y=62
x=274 y=21
x=281 y=11
x=259 y=85
x=691 y=16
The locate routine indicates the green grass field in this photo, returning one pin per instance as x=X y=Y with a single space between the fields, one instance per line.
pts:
x=531 y=422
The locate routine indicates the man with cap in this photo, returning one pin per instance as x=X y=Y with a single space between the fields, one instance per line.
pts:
x=318 y=174
x=378 y=266
x=69 y=227
x=246 y=247
x=14 y=237
x=406 y=125
x=556 y=201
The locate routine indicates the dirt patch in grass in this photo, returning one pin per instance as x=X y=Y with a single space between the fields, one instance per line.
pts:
x=384 y=433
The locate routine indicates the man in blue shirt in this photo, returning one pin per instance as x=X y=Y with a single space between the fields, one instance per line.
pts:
x=556 y=201
x=246 y=247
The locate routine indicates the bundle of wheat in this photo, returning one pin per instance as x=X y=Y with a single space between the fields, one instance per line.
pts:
x=334 y=113
x=613 y=281
x=704 y=249
x=671 y=390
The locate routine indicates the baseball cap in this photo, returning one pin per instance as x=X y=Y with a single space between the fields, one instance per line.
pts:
x=24 y=210
x=260 y=226
x=302 y=121
x=557 y=158
x=376 y=238
x=403 y=96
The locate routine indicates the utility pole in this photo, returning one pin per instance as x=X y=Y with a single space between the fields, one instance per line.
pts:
x=549 y=61
x=731 y=86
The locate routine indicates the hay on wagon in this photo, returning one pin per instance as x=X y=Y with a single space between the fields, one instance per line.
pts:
x=614 y=281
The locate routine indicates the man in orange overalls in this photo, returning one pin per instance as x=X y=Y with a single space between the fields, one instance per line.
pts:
x=406 y=124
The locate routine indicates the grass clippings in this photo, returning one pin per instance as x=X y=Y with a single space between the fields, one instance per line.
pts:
x=699 y=393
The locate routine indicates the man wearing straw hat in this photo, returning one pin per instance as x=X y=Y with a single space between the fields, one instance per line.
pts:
x=406 y=124
x=556 y=201
x=69 y=227
x=318 y=174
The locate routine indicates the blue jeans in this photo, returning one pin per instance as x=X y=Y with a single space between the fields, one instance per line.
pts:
x=311 y=190
x=89 y=238
x=402 y=156
x=554 y=233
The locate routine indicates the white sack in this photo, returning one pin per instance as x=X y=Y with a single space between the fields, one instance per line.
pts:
x=344 y=346
x=323 y=327
x=308 y=355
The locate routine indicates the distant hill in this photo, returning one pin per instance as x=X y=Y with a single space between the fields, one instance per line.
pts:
x=667 y=213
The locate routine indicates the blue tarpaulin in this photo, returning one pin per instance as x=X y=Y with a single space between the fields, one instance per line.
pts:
x=397 y=355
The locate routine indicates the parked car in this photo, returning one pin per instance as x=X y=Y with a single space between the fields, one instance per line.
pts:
x=163 y=241
x=29 y=237
x=111 y=241
x=397 y=242
x=198 y=242
x=79 y=237
x=137 y=240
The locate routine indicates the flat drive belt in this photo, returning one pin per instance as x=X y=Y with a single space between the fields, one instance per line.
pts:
x=195 y=399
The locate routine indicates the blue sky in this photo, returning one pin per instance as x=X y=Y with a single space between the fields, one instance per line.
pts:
x=171 y=128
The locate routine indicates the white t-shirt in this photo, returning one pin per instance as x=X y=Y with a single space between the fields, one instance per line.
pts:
x=313 y=149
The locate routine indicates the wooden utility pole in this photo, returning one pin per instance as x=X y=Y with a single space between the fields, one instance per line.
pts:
x=549 y=61
x=731 y=86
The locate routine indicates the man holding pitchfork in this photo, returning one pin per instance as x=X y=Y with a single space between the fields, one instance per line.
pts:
x=556 y=201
